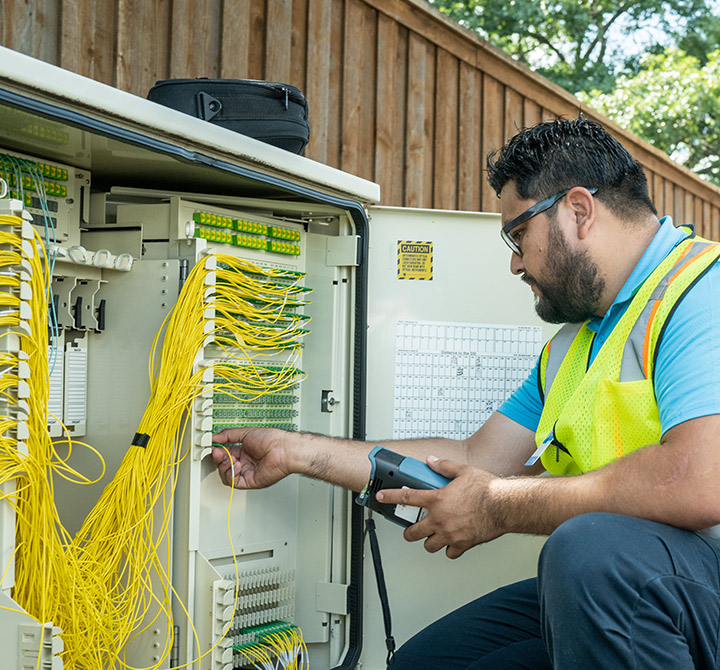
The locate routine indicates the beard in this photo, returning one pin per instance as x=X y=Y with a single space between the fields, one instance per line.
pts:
x=574 y=287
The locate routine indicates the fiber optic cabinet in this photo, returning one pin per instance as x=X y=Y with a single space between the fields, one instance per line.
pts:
x=412 y=325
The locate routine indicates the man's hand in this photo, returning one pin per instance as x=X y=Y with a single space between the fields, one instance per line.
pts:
x=459 y=516
x=257 y=457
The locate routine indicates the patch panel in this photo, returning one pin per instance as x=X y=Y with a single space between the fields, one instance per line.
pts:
x=53 y=193
x=240 y=232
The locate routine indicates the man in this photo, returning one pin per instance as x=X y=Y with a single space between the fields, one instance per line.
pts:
x=625 y=401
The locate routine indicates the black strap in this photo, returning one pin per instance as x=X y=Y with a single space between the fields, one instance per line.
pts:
x=382 y=591
x=140 y=440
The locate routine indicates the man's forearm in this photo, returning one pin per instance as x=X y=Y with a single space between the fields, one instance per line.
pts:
x=659 y=482
x=500 y=446
x=345 y=462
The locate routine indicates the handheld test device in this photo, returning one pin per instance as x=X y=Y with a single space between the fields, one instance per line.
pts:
x=391 y=470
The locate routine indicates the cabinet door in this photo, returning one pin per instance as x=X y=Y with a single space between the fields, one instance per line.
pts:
x=451 y=332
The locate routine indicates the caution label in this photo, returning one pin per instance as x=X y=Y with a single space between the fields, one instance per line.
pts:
x=415 y=260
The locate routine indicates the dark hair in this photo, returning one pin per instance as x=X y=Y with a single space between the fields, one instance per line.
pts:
x=555 y=155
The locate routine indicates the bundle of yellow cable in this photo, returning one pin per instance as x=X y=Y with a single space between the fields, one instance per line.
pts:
x=284 y=650
x=41 y=569
x=119 y=542
x=120 y=531
x=252 y=315
x=99 y=586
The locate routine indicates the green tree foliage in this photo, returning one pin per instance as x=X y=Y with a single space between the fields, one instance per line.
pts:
x=674 y=103
x=581 y=45
x=663 y=86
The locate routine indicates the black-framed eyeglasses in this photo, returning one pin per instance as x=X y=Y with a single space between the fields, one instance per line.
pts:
x=513 y=241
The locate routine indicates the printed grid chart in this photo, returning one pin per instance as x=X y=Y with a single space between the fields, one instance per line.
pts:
x=450 y=377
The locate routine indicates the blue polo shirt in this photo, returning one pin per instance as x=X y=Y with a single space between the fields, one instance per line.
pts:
x=687 y=371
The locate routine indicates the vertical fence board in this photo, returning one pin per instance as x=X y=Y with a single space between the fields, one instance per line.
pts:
x=715 y=224
x=446 y=132
x=493 y=121
x=46 y=42
x=532 y=113
x=416 y=147
x=401 y=105
x=513 y=113
x=299 y=43
x=317 y=87
x=689 y=215
x=352 y=75
x=679 y=208
x=32 y=28
x=658 y=192
x=278 y=40
x=335 y=83
x=707 y=218
x=699 y=212
x=235 y=40
x=368 y=93
x=670 y=201
x=548 y=115
x=358 y=96
x=143 y=53
x=256 y=41
x=87 y=39
x=18 y=28
x=678 y=205
x=389 y=138
x=426 y=198
x=470 y=163
x=196 y=39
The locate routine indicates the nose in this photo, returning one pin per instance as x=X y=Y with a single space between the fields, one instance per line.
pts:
x=516 y=264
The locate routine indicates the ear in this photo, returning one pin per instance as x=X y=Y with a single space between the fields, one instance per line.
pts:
x=583 y=208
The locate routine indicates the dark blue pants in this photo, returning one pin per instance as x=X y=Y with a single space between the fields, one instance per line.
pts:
x=612 y=592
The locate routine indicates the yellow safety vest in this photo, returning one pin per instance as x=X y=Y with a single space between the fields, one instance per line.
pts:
x=593 y=415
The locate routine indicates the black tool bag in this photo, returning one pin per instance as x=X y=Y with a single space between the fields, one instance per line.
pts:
x=269 y=111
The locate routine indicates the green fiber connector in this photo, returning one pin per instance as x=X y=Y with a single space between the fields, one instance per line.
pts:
x=287 y=303
x=284 y=233
x=216 y=220
x=284 y=248
x=254 y=413
x=269 y=399
x=299 y=289
x=48 y=171
x=261 y=633
x=291 y=427
x=290 y=275
x=280 y=368
x=243 y=226
x=244 y=369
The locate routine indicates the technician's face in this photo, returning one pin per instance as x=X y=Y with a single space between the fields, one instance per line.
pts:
x=566 y=281
x=569 y=287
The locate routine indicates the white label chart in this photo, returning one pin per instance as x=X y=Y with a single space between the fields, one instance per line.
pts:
x=450 y=377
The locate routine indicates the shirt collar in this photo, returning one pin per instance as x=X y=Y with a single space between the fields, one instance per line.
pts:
x=663 y=242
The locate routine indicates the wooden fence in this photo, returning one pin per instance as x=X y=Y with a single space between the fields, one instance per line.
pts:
x=398 y=93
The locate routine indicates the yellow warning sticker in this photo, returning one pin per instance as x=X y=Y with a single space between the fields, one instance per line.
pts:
x=415 y=260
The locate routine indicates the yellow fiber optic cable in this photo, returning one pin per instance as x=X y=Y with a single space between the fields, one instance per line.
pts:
x=97 y=585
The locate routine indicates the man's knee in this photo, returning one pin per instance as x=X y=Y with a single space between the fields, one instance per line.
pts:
x=635 y=578
x=596 y=555
x=583 y=538
x=587 y=550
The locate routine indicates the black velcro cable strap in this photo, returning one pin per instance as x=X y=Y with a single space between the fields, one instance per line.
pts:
x=382 y=590
x=140 y=440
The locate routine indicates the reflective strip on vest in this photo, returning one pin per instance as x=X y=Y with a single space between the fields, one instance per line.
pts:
x=558 y=347
x=633 y=363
